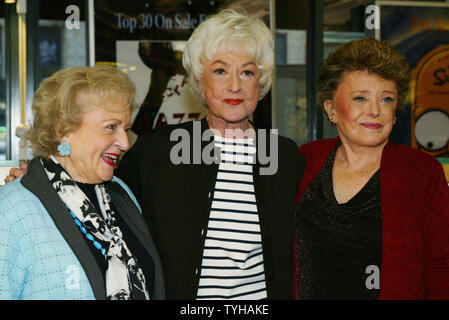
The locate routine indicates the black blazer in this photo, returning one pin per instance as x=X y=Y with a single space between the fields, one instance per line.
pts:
x=176 y=201
x=37 y=182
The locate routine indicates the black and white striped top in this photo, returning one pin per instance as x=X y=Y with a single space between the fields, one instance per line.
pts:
x=232 y=265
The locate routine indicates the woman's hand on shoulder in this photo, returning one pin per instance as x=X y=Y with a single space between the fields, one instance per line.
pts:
x=15 y=173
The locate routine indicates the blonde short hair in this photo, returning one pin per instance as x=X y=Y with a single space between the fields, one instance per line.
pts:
x=230 y=31
x=58 y=108
x=366 y=54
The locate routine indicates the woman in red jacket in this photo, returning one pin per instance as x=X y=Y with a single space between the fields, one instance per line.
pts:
x=372 y=218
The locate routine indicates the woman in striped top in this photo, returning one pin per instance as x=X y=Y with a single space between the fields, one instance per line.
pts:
x=227 y=75
x=232 y=264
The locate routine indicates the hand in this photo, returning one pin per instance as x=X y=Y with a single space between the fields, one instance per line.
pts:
x=15 y=173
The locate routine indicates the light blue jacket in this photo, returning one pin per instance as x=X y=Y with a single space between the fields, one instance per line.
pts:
x=42 y=254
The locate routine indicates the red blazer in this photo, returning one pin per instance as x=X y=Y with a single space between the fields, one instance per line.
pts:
x=415 y=219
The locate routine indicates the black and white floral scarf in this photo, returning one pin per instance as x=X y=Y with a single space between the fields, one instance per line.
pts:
x=124 y=279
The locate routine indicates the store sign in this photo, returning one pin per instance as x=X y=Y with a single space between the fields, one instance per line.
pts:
x=159 y=21
x=430 y=103
x=421 y=32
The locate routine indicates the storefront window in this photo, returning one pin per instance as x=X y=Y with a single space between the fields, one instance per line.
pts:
x=3 y=122
x=291 y=95
x=58 y=46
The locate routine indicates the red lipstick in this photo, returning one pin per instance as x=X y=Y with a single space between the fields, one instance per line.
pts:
x=372 y=125
x=233 y=101
x=110 y=158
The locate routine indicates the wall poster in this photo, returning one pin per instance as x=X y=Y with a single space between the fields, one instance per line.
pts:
x=420 y=30
x=146 y=39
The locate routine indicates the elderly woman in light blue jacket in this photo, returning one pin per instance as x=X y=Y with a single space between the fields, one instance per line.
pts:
x=69 y=229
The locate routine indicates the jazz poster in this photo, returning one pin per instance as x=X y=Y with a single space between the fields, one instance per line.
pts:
x=146 y=39
x=420 y=30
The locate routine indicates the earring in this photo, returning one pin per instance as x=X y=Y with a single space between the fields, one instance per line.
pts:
x=64 y=149
x=394 y=121
x=331 y=122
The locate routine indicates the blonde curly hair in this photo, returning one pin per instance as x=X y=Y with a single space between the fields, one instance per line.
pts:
x=58 y=108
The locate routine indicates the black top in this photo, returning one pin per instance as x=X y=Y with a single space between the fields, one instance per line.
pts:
x=144 y=259
x=336 y=243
